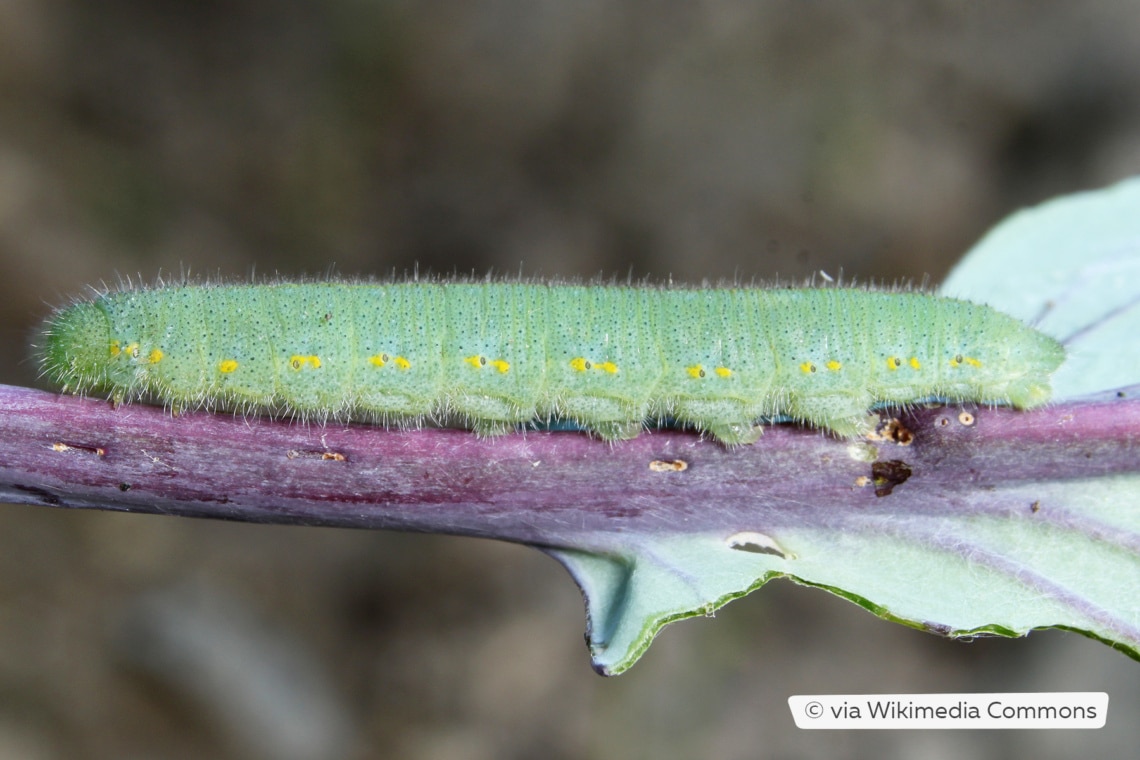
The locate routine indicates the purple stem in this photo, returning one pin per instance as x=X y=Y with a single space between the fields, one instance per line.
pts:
x=558 y=489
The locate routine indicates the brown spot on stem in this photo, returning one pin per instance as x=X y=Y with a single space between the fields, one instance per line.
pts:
x=326 y=456
x=64 y=448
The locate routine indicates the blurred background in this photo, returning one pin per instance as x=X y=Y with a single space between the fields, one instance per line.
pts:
x=694 y=140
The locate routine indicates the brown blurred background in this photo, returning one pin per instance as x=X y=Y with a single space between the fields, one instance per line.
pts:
x=698 y=140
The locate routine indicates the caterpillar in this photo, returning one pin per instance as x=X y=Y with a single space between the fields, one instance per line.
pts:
x=494 y=355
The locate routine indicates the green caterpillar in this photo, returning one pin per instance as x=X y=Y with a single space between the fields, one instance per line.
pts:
x=494 y=355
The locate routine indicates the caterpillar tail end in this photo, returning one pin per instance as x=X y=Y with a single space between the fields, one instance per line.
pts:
x=1033 y=389
x=76 y=348
x=1030 y=396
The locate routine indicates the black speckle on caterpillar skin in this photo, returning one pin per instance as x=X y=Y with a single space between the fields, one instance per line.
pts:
x=492 y=356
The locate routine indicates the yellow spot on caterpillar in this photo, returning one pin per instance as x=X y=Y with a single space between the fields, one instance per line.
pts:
x=402 y=363
x=724 y=372
x=300 y=362
x=155 y=356
x=227 y=366
x=696 y=371
x=582 y=364
x=973 y=362
x=115 y=348
x=378 y=360
x=476 y=361
x=500 y=365
x=915 y=363
x=807 y=368
x=893 y=363
x=834 y=366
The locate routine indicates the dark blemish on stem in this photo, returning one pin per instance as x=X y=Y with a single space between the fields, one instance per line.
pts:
x=1035 y=507
x=46 y=497
x=888 y=474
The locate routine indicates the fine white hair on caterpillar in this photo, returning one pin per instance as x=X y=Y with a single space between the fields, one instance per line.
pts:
x=492 y=355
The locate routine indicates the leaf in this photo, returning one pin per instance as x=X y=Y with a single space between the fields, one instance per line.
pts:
x=958 y=576
x=1072 y=267
x=991 y=555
